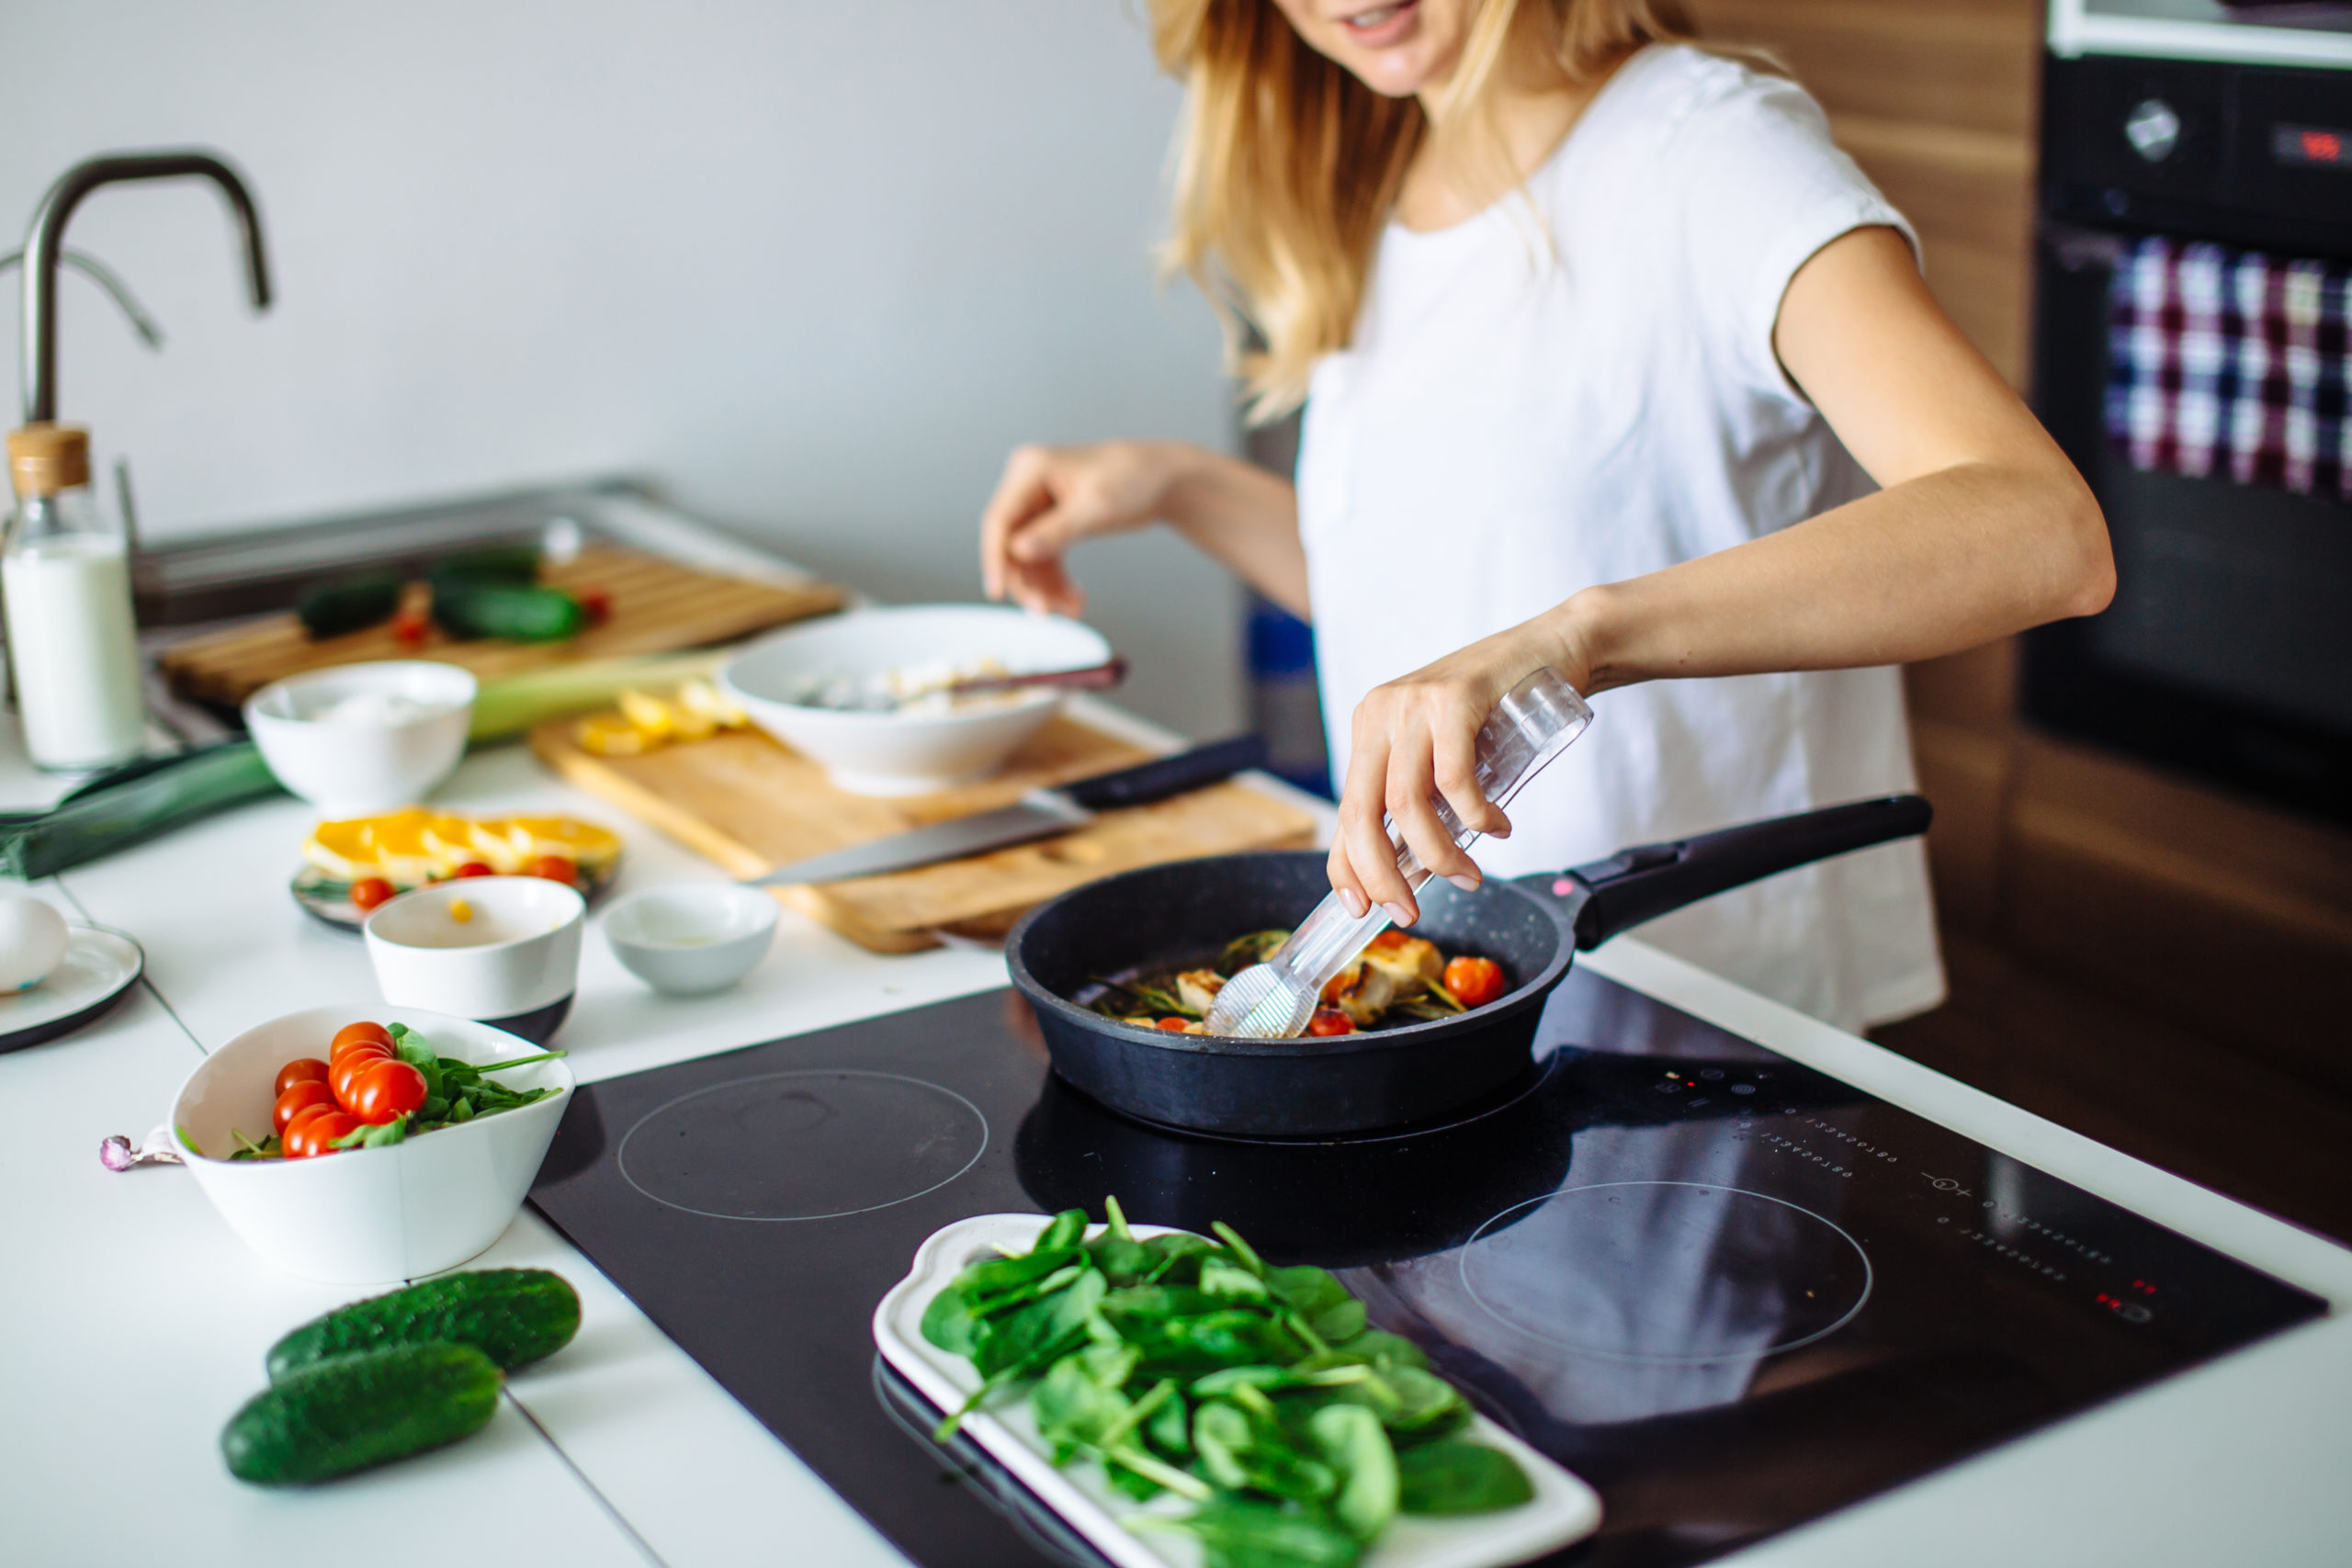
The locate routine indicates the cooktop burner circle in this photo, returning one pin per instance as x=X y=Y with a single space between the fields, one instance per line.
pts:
x=817 y=1143
x=1585 y=1269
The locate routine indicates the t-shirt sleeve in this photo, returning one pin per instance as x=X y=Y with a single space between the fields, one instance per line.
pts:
x=1763 y=187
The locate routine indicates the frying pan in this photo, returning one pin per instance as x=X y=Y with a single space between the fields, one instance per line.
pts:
x=1183 y=913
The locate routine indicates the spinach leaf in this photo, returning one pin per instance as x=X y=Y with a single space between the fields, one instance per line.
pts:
x=1307 y=1288
x=1459 y=1477
x=1067 y=1229
x=1352 y=1443
x=1424 y=1401
x=1220 y=1278
x=1238 y=1534
x=1017 y=1336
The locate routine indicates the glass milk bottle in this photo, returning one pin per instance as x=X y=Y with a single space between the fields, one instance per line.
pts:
x=66 y=577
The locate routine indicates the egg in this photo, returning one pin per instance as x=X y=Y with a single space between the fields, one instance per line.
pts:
x=32 y=939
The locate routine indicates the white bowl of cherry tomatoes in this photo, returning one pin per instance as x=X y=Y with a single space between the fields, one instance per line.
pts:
x=359 y=1143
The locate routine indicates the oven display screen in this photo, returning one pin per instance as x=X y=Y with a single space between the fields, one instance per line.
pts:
x=2311 y=146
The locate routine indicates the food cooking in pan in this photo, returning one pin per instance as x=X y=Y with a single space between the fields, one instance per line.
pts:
x=1399 y=979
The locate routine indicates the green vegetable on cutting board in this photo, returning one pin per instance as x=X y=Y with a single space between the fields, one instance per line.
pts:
x=396 y=1374
x=517 y=614
x=348 y=604
x=1192 y=1366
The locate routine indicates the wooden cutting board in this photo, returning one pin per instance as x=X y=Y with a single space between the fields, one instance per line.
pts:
x=751 y=805
x=658 y=607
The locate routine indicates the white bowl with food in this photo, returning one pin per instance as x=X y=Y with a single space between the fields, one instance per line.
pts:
x=498 y=950
x=367 y=1216
x=806 y=686
x=352 y=738
x=693 y=938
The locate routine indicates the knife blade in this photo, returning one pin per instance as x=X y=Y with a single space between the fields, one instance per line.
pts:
x=1040 y=814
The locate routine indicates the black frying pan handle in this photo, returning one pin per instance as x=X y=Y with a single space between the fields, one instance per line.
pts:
x=1642 y=884
x=1168 y=775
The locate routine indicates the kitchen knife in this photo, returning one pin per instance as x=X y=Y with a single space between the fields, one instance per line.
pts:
x=1040 y=814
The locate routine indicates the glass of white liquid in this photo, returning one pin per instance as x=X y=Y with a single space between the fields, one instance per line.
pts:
x=65 y=575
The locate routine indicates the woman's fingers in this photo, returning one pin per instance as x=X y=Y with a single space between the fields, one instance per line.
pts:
x=1022 y=493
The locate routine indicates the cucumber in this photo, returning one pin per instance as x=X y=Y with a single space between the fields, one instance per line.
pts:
x=517 y=615
x=506 y=566
x=362 y=1410
x=348 y=604
x=511 y=1315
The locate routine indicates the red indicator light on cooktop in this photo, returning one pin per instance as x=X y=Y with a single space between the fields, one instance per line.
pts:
x=2311 y=146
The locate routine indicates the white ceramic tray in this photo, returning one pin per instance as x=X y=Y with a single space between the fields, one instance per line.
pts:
x=1564 y=1510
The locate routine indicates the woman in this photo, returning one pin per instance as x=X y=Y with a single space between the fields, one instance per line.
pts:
x=1587 y=322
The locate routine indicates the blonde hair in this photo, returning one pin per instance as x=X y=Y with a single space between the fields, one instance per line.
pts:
x=1287 y=165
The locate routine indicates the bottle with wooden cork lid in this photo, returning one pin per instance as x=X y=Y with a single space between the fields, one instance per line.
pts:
x=65 y=576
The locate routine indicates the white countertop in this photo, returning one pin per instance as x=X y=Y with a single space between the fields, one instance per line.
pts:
x=132 y=1323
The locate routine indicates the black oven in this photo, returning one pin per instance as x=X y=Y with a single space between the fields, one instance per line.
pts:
x=2227 y=652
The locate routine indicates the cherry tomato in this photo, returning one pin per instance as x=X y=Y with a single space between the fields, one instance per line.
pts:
x=473 y=868
x=1174 y=1025
x=1475 y=982
x=370 y=891
x=596 y=604
x=290 y=1141
x=1330 y=1021
x=316 y=1135
x=354 y=1065
x=301 y=1069
x=299 y=1097
x=1389 y=940
x=386 y=1092
x=409 y=630
x=555 y=868
x=352 y=1034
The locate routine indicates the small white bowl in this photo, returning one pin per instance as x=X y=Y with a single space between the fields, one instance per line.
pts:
x=513 y=961
x=909 y=751
x=693 y=938
x=366 y=1216
x=353 y=738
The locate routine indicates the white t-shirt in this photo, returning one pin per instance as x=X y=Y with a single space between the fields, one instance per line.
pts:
x=1538 y=400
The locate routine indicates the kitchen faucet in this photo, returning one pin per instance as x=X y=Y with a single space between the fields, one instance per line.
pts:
x=45 y=242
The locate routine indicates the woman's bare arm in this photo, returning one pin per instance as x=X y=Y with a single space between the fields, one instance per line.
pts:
x=1983 y=529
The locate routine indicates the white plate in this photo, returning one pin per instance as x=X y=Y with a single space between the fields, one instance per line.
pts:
x=1564 y=1510
x=98 y=966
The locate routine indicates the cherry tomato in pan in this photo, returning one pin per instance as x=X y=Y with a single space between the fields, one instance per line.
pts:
x=352 y=1034
x=474 y=868
x=1475 y=982
x=1330 y=1021
x=555 y=868
x=354 y=1065
x=299 y=1097
x=1173 y=1025
x=386 y=1092
x=316 y=1135
x=370 y=891
x=301 y=1069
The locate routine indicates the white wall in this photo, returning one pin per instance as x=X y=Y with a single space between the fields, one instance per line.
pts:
x=812 y=266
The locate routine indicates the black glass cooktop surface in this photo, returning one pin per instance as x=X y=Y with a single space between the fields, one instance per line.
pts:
x=1733 y=1293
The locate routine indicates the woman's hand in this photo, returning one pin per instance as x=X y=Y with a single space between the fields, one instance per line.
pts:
x=1417 y=738
x=1051 y=497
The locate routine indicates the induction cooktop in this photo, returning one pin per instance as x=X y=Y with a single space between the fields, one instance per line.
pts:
x=1733 y=1293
